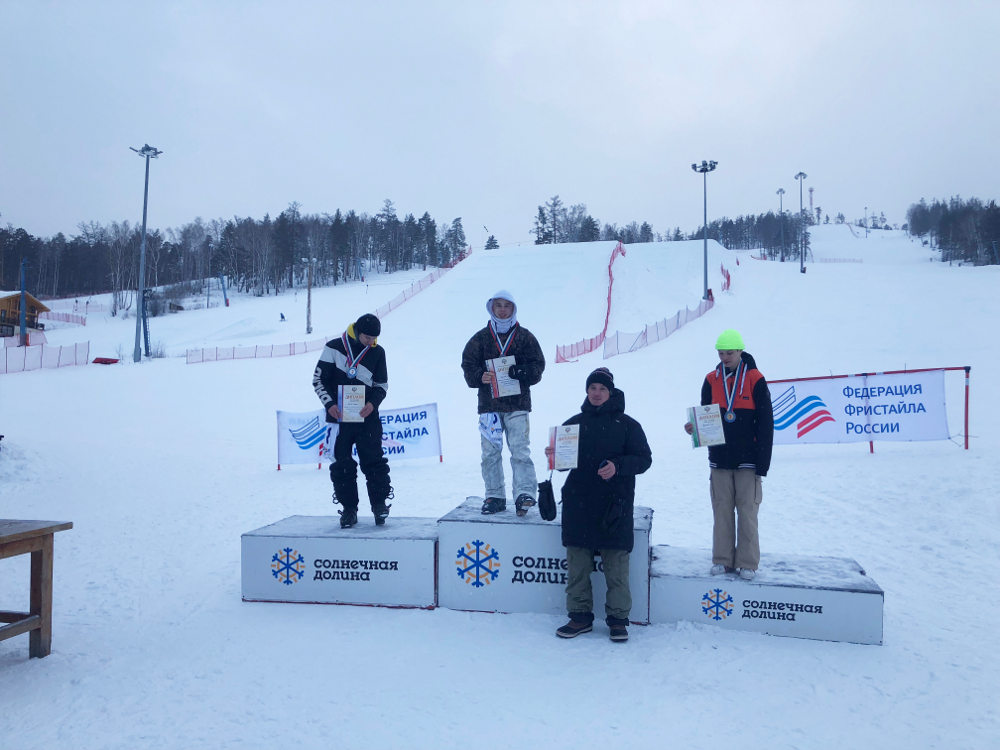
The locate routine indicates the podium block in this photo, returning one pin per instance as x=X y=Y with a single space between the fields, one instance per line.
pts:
x=502 y=563
x=823 y=598
x=311 y=559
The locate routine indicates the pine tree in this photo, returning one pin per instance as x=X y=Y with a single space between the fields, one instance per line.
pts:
x=542 y=230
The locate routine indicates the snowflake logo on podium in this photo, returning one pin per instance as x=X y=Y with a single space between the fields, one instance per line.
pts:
x=288 y=566
x=718 y=604
x=478 y=563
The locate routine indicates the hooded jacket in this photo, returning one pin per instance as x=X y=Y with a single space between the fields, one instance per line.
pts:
x=597 y=514
x=331 y=371
x=521 y=344
x=750 y=436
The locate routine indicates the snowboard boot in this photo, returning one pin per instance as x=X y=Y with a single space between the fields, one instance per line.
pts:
x=348 y=517
x=381 y=512
x=345 y=492
x=379 y=491
x=494 y=505
x=522 y=504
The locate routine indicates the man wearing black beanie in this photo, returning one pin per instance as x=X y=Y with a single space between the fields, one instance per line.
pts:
x=597 y=501
x=356 y=359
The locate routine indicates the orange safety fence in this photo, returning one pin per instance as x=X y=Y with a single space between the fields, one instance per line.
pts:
x=622 y=343
x=569 y=352
x=267 y=351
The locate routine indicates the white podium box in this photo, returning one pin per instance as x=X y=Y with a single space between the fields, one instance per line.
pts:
x=502 y=563
x=311 y=559
x=823 y=598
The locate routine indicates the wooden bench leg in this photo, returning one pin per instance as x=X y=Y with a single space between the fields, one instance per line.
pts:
x=40 y=639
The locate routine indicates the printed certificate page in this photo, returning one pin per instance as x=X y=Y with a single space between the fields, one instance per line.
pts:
x=565 y=442
x=350 y=401
x=505 y=385
x=707 y=422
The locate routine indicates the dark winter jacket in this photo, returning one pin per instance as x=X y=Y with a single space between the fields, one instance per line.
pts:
x=749 y=438
x=527 y=355
x=331 y=371
x=597 y=514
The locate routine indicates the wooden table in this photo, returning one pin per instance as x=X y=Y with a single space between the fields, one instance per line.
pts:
x=18 y=538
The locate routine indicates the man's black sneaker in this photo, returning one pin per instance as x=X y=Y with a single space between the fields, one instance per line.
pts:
x=522 y=504
x=348 y=518
x=619 y=633
x=381 y=512
x=494 y=505
x=573 y=628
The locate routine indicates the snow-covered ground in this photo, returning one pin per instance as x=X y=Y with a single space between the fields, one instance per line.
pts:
x=162 y=466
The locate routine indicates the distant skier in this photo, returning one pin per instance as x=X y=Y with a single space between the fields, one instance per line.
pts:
x=356 y=359
x=282 y=317
x=737 y=466
x=503 y=336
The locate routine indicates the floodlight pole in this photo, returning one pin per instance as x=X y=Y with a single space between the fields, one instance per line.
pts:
x=704 y=168
x=147 y=152
x=23 y=312
x=309 y=297
x=781 y=218
x=801 y=176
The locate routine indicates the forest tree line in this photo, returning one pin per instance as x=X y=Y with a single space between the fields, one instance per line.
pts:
x=265 y=256
x=964 y=231
x=775 y=235
x=256 y=256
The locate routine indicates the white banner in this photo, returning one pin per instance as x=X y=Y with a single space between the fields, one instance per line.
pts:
x=860 y=408
x=306 y=438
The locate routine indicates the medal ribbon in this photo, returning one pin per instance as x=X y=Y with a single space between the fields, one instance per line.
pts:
x=496 y=338
x=352 y=361
x=741 y=371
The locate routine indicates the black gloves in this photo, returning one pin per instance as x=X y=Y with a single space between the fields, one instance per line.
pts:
x=517 y=373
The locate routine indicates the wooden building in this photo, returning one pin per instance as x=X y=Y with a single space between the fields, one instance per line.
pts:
x=10 y=313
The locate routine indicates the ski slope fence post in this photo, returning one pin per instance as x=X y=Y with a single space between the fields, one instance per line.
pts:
x=570 y=352
x=812 y=412
x=43 y=356
x=653 y=332
x=79 y=320
x=418 y=286
x=216 y=354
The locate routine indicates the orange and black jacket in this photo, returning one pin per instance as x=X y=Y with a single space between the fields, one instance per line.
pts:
x=750 y=436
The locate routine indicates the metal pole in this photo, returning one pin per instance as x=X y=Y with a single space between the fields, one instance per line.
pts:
x=801 y=176
x=23 y=317
x=309 y=297
x=704 y=224
x=140 y=301
x=705 y=167
x=781 y=219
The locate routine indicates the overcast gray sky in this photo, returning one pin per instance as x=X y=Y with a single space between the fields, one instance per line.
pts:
x=484 y=110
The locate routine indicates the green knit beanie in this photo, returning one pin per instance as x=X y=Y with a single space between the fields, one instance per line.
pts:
x=729 y=339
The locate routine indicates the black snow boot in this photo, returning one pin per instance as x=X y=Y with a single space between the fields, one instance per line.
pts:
x=345 y=492
x=379 y=490
x=380 y=509
x=348 y=517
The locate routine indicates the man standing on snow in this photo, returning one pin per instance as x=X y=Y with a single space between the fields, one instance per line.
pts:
x=504 y=337
x=597 y=502
x=356 y=359
x=738 y=465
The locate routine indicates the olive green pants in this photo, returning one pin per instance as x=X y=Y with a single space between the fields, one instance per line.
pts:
x=735 y=541
x=579 y=593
